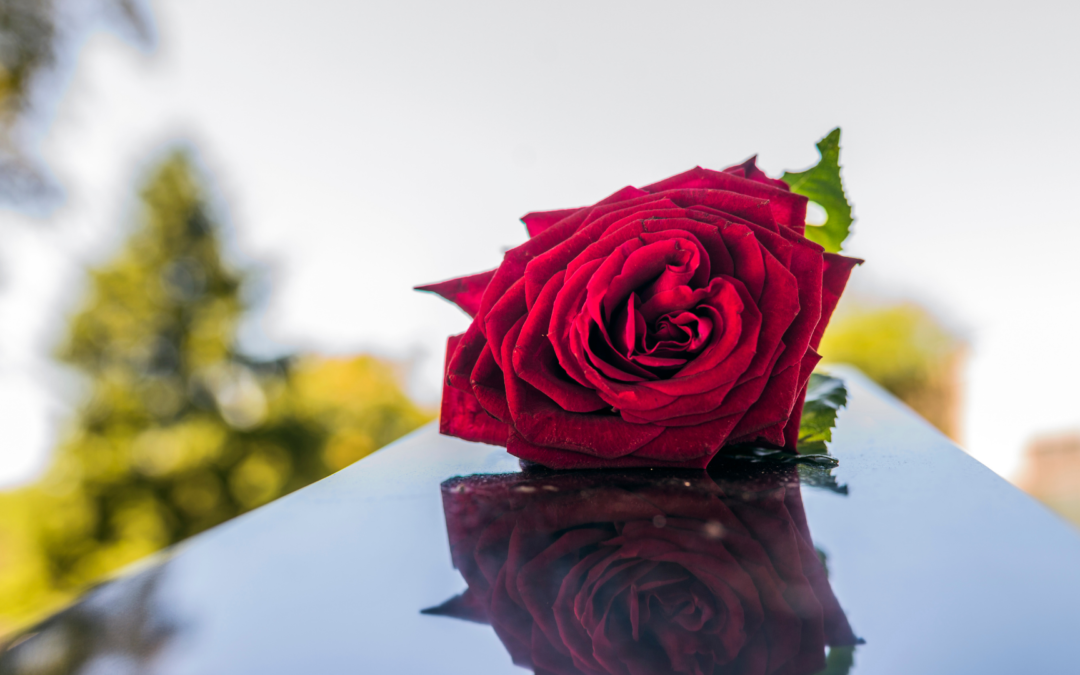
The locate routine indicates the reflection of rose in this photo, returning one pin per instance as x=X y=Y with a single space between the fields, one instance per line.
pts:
x=648 y=329
x=634 y=574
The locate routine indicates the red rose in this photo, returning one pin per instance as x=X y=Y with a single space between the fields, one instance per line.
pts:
x=649 y=329
x=641 y=574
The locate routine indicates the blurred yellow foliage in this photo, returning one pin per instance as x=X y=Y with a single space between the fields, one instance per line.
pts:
x=358 y=400
x=180 y=430
x=907 y=351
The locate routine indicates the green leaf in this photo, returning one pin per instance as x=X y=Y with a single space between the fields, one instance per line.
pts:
x=839 y=661
x=822 y=184
x=825 y=396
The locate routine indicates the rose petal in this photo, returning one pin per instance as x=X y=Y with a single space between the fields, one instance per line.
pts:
x=486 y=380
x=535 y=361
x=693 y=446
x=503 y=315
x=556 y=259
x=806 y=266
x=556 y=458
x=460 y=362
x=465 y=292
x=750 y=170
x=773 y=407
x=788 y=208
x=834 y=279
x=752 y=209
x=462 y=416
x=538 y=419
x=568 y=302
x=791 y=429
x=539 y=221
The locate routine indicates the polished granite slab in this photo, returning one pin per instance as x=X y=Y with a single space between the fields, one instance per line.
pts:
x=909 y=550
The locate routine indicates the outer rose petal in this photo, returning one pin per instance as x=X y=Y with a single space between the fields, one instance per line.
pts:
x=834 y=279
x=461 y=360
x=541 y=421
x=788 y=208
x=538 y=221
x=487 y=385
x=807 y=266
x=555 y=458
x=556 y=258
x=773 y=408
x=694 y=446
x=749 y=169
x=461 y=414
x=464 y=292
x=791 y=429
x=535 y=361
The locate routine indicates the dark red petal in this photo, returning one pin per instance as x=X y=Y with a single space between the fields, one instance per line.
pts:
x=538 y=419
x=603 y=356
x=750 y=170
x=538 y=221
x=788 y=208
x=462 y=416
x=535 y=361
x=774 y=407
x=776 y=243
x=700 y=408
x=543 y=266
x=709 y=370
x=706 y=230
x=464 y=292
x=503 y=315
x=650 y=263
x=629 y=224
x=616 y=393
x=724 y=299
x=692 y=267
x=488 y=386
x=515 y=261
x=568 y=302
x=604 y=275
x=461 y=361
x=752 y=209
x=806 y=266
x=618 y=197
x=747 y=258
x=834 y=279
x=779 y=305
x=556 y=458
x=791 y=430
x=685 y=444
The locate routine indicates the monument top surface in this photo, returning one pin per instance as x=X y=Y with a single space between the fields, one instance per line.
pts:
x=933 y=562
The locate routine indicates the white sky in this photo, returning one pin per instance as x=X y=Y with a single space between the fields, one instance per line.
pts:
x=364 y=147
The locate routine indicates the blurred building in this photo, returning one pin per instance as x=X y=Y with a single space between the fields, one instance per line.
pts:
x=1050 y=472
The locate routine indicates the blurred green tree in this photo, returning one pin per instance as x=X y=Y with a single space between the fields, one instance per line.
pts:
x=906 y=350
x=180 y=430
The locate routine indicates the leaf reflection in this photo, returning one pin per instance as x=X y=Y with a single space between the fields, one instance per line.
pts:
x=643 y=572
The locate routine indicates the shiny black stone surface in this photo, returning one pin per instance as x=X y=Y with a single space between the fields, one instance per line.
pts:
x=937 y=563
